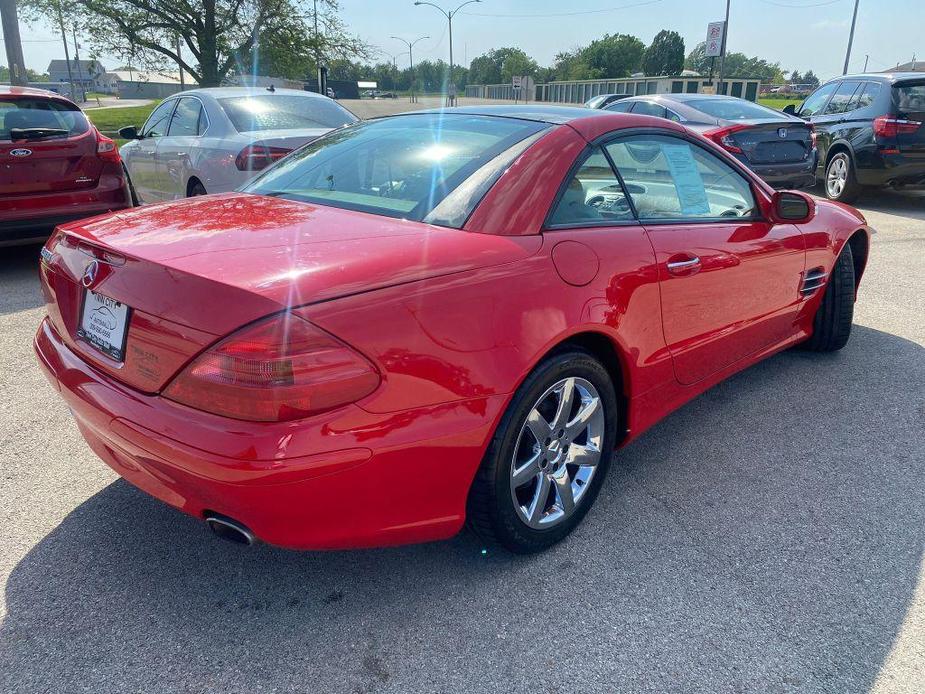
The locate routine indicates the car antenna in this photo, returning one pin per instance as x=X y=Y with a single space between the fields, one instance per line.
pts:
x=271 y=88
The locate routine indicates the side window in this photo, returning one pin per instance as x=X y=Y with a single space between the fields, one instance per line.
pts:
x=156 y=124
x=620 y=106
x=868 y=94
x=593 y=195
x=185 y=121
x=841 y=99
x=815 y=101
x=647 y=108
x=669 y=178
x=671 y=115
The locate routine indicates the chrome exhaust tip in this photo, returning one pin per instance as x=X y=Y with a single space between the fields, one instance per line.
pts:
x=229 y=529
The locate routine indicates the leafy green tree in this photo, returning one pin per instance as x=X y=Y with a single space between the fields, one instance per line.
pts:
x=811 y=79
x=737 y=65
x=614 y=55
x=665 y=55
x=795 y=77
x=499 y=65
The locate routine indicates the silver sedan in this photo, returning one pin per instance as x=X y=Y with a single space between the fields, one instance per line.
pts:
x=213 y=140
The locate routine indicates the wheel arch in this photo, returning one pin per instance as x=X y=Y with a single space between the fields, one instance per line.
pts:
x=191 y=181
x=835 y=148
x=859 y=242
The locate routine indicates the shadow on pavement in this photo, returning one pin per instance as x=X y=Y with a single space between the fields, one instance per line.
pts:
x=909 y=204
x=767 y=537
x=19 y=277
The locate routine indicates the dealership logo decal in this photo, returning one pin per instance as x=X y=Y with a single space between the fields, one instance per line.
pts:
x=23 y=152
x=90 y=273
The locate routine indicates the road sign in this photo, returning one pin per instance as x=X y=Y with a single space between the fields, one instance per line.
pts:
x=516 y=81
x=714 y=46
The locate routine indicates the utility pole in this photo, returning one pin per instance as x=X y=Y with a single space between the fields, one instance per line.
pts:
x=322 y=73
x=854 y=19
x=451 y=87
x=410 y=45
x=867 y=58
x=67 y=53
x=10 y=21
x=80 y=76
x=720 y=87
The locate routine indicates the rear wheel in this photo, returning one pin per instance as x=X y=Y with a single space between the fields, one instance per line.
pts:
x=547 y=461
x=832 y=323
x=841 y=184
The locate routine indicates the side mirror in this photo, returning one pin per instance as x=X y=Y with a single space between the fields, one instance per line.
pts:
x=790 y=109
x=129 y=132
x=793 y=207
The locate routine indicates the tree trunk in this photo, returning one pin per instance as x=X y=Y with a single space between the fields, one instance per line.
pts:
x=208 y=46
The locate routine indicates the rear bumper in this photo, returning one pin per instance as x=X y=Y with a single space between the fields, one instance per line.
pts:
x=345 y=479
x=891 y=169
x=799 y=175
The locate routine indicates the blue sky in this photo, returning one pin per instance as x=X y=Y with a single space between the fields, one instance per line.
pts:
x=801 y=34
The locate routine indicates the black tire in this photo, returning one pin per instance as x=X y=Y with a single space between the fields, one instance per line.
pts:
x=133 y=196
x=491 y=511
x=196 y=189
x=852 y=189
x=832 y=322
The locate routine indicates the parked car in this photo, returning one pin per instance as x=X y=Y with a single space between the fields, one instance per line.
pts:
x=54 y=165
x=870 y=132
x=431 y=318
x=214 y=140
x=603 y=100
x=778 y=147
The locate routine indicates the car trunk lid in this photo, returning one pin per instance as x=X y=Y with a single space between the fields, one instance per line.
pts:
x=773 y=142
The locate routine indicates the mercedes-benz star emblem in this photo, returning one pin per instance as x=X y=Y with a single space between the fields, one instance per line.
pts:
x=90 y=273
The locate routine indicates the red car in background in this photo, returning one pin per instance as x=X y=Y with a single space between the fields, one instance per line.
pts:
x=434 y=317
x=54 y=166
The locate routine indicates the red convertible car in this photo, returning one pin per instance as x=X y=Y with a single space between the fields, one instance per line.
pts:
x=432 y=318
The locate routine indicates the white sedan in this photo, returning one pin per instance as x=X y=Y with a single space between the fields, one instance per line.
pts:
x=213 y=140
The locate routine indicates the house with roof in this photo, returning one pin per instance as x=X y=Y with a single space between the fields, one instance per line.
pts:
x=88 y=74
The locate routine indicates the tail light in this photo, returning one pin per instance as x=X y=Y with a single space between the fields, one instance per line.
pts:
x=886 y=127
x=276 y=370
x=723 y=137
x=106 y=148
x=257 y=157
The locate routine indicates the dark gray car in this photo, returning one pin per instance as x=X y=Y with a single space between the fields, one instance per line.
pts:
x=778 y=147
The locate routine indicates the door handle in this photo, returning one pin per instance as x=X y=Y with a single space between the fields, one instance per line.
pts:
x=684 y=267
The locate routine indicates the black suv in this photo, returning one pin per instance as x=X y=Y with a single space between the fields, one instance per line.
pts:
x=870 y=131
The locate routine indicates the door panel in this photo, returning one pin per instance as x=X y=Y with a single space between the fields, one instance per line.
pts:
x=173 y=151
x=142 y=166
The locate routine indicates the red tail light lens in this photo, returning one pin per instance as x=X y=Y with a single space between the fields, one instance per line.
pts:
x=888 y=128
x=723 y=137
x=257 y=157
x=276 y=370
x=106 y=148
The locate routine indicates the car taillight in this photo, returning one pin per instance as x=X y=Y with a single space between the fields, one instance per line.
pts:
x=886 y=127
x=723 y=137
x=257 y=157
x=275 y=370
x=106 y=148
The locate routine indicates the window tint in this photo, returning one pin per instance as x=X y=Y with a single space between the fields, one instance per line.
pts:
x=732 y=109
x=398 y=167
x=647 y=108
x=185 y=121
x=839 y=103
x=669 y=178
x=284 y=112
x=620 y=106
x=158 y=120
x=817 y=99
x=24 y=114
x=868 y=94
x=593 y=194
x=910 y=99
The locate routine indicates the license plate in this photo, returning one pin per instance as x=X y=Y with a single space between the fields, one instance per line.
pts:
x=104 y=324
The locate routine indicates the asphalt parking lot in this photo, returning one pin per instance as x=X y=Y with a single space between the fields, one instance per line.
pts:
x=768 y=537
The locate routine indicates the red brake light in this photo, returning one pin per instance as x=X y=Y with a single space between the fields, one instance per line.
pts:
x=106 y=148
x=723 y=137
x=257 y=157
x=887 y=128
x=278 y=369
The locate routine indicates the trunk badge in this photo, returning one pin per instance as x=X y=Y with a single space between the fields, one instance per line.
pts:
x=90 y=272
x=21 y=152
x=782 y=133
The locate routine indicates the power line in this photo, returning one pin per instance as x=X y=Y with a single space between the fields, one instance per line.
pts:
x=567 y=14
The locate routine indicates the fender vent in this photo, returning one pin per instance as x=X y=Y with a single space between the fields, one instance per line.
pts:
x=812 y=280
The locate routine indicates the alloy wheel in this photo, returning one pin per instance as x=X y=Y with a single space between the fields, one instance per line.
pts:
x=557 y=453
x=837 y=177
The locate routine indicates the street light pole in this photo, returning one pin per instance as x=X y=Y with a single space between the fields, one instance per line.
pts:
x=13 y=43
x=410 y=45
x=451 y=87
x=854 y=19
x=722 y=60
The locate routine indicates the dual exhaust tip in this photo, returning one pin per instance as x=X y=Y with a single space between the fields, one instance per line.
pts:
x=230 y=529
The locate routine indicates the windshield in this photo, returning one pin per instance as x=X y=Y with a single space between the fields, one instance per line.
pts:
x=33 y=116
x=284 y=112
x=732 y=109
x=399 y=167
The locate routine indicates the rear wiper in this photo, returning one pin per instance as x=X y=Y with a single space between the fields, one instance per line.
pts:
x=36 y=133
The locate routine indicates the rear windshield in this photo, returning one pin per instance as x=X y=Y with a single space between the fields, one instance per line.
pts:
x=909 y=98
x=398 y=167
x=31 y=116
x=732 y=109
x=270 y=112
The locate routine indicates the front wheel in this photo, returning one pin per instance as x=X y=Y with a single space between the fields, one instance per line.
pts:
x=841 y=183
x=547 y=461
x=832 y=322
